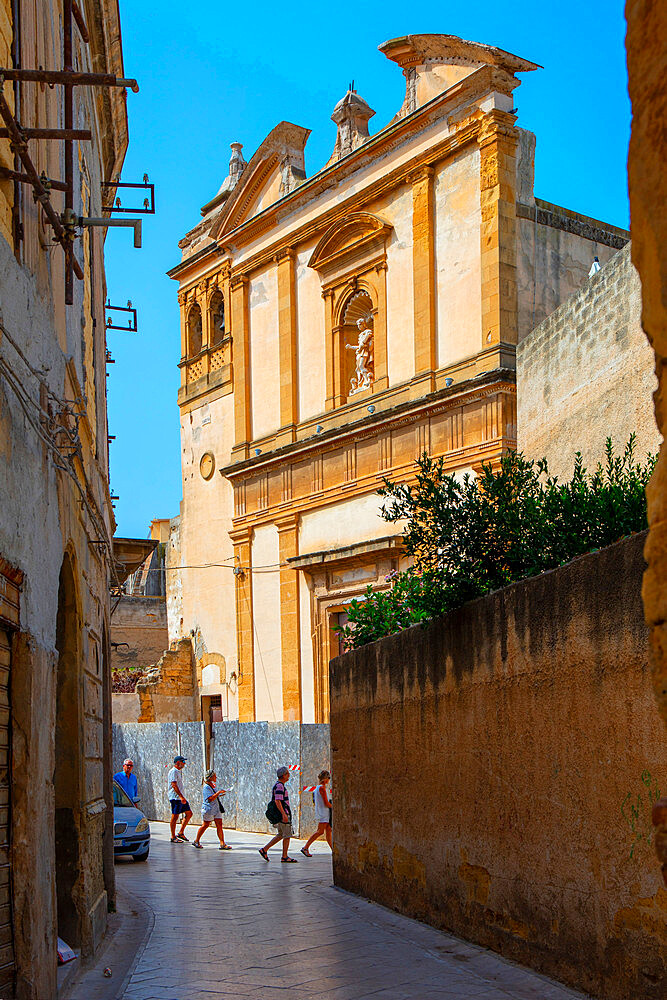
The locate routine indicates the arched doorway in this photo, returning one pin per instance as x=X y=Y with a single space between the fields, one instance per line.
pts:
x=67 y=772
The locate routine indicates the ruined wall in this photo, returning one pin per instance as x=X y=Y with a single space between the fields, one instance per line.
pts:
x=495 y=774
x=168 y=691
x=587 y=373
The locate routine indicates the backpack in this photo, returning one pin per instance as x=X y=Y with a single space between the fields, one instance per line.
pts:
x=273 y=813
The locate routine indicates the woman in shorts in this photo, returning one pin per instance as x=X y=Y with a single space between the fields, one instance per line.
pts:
x=211 y=810
x=323 y=809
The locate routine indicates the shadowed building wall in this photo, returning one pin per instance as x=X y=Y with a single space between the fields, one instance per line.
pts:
x=495 y=774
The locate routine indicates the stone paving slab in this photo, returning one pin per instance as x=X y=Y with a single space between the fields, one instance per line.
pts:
x=228 y=925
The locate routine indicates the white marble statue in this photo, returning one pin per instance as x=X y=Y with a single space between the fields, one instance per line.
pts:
x=363 y=349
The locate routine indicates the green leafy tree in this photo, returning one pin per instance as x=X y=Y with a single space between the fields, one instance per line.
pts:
x=473 y=535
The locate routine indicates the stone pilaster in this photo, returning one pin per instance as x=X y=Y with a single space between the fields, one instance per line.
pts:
x=423 y=270
x=497 y=142
x=242 y=540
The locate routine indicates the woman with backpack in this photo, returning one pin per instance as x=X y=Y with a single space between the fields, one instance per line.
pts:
x=323 y=808
x=212 y=811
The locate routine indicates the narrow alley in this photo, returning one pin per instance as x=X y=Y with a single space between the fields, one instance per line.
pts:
x=231 y=926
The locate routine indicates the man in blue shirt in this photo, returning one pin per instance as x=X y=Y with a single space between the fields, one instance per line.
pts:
x=127 y=780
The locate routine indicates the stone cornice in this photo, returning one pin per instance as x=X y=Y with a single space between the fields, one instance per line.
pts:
x=499 y=380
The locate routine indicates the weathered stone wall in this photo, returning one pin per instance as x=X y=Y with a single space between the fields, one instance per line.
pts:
x=245 y=757
x=141 y=622
x=495 y=773
x=58 y=874
x=647 y=183
x=587 y=373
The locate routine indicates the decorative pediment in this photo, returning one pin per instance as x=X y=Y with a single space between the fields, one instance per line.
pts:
x=354 y=239
x=275 y=170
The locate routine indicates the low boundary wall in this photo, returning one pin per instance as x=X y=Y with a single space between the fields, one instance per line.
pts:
x=495 y=774
x=244 y=755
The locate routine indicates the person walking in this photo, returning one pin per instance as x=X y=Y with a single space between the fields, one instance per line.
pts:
x=178 y=802
x=280 y=797
x=211 y=810
x=127 y=780
x=323 y=808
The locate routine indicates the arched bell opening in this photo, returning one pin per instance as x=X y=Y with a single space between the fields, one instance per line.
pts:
x=217 y=319
x=194 y=331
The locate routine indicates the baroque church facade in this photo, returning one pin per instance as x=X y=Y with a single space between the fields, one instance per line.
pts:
x=335 y=327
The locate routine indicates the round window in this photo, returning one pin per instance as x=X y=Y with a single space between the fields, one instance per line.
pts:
x=207 y=465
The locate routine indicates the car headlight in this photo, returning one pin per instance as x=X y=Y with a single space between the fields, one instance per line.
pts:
x=142 y=825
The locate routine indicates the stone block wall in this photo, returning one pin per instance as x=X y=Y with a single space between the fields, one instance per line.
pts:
x=495 y=774
x=245 y=757
x=587 y=373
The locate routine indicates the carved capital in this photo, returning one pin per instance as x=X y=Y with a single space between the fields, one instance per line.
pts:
x=238 y=280
x=182 y=298
x=284 y=253
x=421 y=174
x=242 y=535
x=290 y=522
x=495 y=125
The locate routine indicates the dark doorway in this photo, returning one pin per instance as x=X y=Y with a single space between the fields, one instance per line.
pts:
x=67 y=773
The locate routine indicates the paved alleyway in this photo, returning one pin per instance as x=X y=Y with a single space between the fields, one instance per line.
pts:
x=227 y=925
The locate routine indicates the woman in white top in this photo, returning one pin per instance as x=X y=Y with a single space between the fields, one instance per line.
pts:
x=323 y=809
x=212 y=810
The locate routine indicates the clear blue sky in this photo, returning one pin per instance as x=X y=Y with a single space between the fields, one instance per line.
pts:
x=212 y=73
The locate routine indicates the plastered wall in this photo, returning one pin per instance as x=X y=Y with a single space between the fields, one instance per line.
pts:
x=264 y=352
x=310 y=337
x=202 y=597
x=522 y=747
x=266 y=607
x=457 y=258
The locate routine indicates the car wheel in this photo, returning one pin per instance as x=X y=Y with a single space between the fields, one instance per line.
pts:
x=141 y=857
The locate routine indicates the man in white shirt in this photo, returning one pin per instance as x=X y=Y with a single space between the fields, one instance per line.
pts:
x=178 y=802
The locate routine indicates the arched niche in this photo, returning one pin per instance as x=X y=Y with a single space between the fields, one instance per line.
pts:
x=351 y=259
x=67 y=772
x=356 y=315
x=211 y=671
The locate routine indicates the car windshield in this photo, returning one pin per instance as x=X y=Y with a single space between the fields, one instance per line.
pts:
x=119 y=796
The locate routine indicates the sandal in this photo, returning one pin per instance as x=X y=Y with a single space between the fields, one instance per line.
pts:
x=175 y=840
x=289 y=861
x=182 y=838
x=225 y=847
x=262 y=851
x=306 y=853
x=195 y=843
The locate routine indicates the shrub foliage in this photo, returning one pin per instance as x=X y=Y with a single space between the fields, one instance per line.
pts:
x=473 y=535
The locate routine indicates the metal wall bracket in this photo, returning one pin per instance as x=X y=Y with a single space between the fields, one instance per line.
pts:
x=124 y=223
x=131 y=323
